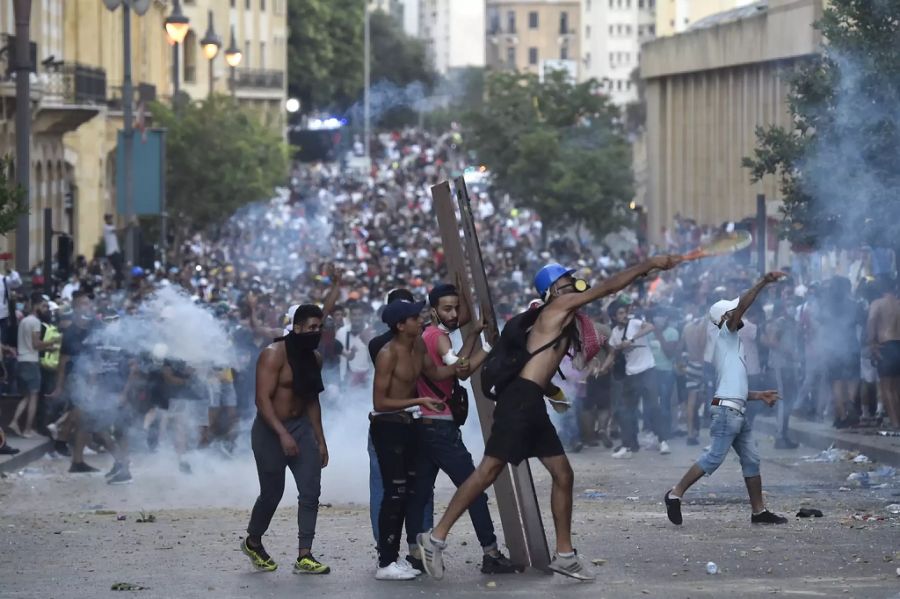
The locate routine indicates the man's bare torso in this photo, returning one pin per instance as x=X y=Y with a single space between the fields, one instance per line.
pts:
x=408 y=367
x=541 y=368
x=287 y=405
x=886 y=317
x=695 y=340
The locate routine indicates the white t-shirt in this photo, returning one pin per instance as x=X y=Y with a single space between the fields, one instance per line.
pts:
x=29 y=325
x=360 y=361
x=731 y=367
x=750 y=347
x=640 y=358
x=110 y=240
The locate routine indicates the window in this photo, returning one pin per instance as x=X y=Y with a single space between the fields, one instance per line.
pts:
x=532 y=56
x=511 y=22
x=262 y=52
x=494 y=19
x=233 y=3
x=627 y=29
x=619 y=85
x=564 y=53
x=627 y=3
x=587 y=59
x=564 y=22
x=611 y=2
x=533 y=20
x=189 y=57
x=587 y=32
x=611 y=29
x=245 y=59
x=652 y=3
x=587 y=6
x=640 y=30
x=262 y=5
x=247 y=4
x=511 y=57
x=640 y=3
x=652 y=29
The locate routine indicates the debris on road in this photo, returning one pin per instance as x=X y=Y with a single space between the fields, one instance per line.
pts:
x=127 y=586
x=894 y=508
x=592 y=494
x=146 y=518
x=598 y=562
x=712 y=568
x=809 y=513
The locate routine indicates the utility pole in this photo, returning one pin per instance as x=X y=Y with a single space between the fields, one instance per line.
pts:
x=23 y=127
x=128 y=134
x=367 y=57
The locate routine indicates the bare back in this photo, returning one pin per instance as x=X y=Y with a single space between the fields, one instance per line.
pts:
x=541 y=368
x=884 y=315
x=695 y=339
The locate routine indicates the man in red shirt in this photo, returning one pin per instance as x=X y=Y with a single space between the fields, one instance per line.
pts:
x=439 y=438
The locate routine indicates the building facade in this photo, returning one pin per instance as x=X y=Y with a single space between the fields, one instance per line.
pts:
x=676 y=16
x=451 y=32
x=532 y=36
x=707 y=91
x=612 y=33
x=77 y=93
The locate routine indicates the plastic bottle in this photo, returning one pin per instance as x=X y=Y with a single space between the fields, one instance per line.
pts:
x=712 y=568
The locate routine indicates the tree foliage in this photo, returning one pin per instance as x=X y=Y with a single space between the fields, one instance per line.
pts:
x=556 y=147
x=218 y=158
x=325 y=53
x=838 y=168
x=13 y=200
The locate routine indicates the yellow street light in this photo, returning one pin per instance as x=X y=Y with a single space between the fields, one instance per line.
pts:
x=211 y=42
x=177 y=25
x=233 y=54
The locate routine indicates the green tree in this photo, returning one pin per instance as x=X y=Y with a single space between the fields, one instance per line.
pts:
x=218 y=158
x=13 y=202
x=838 y=168
x=556 y=147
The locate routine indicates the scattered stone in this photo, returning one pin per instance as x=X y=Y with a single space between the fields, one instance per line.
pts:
x=492 y=585
x=598 y=562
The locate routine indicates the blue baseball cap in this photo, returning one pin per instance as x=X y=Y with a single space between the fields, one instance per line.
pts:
x=547 y=276
x=398 y=311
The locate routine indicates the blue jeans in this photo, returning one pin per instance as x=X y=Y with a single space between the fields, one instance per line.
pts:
x=729 y=428
x=376 y=494
x=441 y=448
x=638 y=387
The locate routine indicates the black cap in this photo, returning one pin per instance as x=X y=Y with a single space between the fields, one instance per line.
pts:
x=441 y=290
x=396 y=312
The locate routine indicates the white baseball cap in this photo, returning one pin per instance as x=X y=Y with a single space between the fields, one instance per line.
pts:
x=721 y=308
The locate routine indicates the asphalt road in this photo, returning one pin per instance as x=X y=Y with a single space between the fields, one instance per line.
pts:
x=62 y=539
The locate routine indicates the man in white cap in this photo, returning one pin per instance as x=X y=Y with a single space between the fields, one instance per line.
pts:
x=730 y=427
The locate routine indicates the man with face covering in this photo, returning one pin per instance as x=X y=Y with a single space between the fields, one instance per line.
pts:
x=730 y=427
x=288 y=433
x=522 y=428
x=440 y=443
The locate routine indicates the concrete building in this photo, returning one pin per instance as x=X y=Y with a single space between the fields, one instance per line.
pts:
x=533 y=35
x=612 y=33
x=451 y=30
x=707 y=90
x=676 y=16
x=78 y=94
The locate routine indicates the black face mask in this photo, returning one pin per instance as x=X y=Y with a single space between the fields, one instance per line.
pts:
x=301 y=355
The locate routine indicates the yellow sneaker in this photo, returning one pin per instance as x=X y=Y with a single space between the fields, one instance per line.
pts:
x=258 y=557
x=310 y=565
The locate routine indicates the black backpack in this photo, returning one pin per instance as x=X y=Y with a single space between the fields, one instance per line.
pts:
x=510 y=355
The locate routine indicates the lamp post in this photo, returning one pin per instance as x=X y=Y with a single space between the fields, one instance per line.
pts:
x=233 y=57
x=22 y=10
x=177 y=27
x=367 y=83
x=211 y=44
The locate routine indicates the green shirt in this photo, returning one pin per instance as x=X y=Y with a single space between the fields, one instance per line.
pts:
x=662 y=360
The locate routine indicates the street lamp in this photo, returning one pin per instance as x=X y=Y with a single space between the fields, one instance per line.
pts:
x=233 y=57
x=177 y=27
x=211 y=44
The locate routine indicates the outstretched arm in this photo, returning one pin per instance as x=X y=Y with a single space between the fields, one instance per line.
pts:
x=749 y=296
x=334 y=293
x=572 y=301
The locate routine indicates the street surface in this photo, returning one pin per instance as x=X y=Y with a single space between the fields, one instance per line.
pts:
x=62 y=538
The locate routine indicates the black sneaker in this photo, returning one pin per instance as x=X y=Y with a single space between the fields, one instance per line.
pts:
x=122 y=477
x=673 y=509
x=62 y=448
x=82 y=468
x=499 y=565
x=785 y=443
x=415 y=563
x=767 y=517
x=7 y=450
x=114 y=470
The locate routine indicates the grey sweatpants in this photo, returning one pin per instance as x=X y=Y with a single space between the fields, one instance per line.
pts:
x=270 y=464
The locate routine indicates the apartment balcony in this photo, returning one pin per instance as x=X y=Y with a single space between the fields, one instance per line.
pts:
x=74 y=83
x=259 y=79
x=143 y=93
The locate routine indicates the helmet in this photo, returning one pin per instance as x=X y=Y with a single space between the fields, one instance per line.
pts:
x=547 y=276
x=137 y=271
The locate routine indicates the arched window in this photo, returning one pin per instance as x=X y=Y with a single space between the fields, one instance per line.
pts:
x=189 y=54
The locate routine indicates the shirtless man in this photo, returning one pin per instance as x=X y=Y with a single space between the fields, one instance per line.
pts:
x=397 y=368
x=288 y=433
x=883 y=334
x=522 y=428
x=694 y=338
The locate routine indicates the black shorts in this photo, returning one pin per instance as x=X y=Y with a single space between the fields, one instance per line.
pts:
x=522 y=428
x=888 y=364
x=599 y=392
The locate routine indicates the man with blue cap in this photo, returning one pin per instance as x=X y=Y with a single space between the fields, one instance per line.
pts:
x=522 y=428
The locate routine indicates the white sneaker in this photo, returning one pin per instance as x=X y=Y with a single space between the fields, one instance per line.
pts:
x=623 y=454
x=409 y=567
x=53 y=430
x=394 y=572
x=664 y=448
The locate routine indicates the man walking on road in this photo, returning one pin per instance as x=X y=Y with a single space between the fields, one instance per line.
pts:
x=883 y=334
x=522 y=428
x=730 y=427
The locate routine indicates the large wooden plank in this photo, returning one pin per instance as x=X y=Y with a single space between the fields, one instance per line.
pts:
x=514 y=489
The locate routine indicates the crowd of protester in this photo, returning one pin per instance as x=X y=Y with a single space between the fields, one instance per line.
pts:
x=807 y=338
